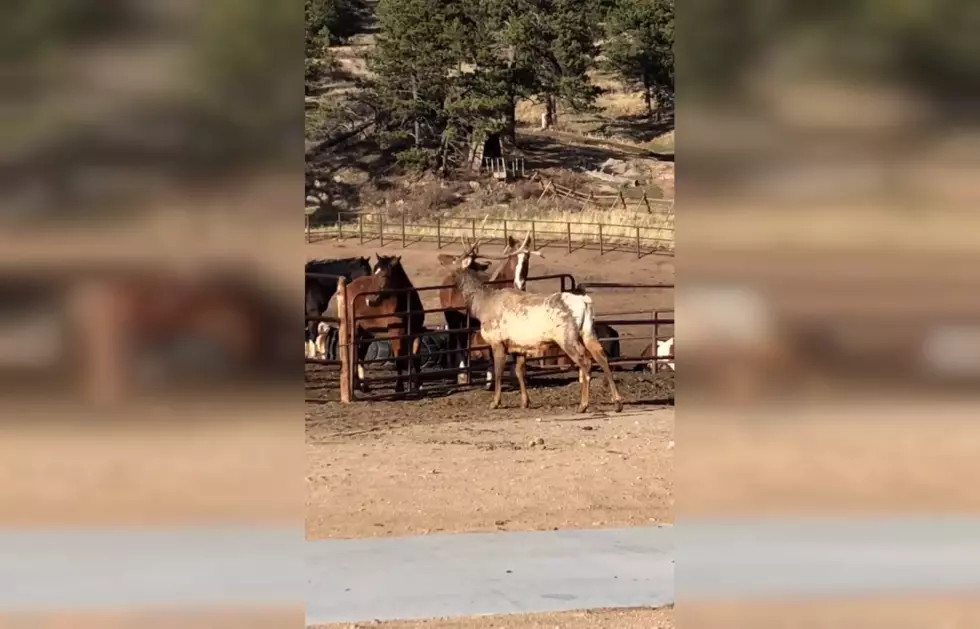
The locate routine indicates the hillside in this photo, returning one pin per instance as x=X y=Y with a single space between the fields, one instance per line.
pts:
x=352 y=166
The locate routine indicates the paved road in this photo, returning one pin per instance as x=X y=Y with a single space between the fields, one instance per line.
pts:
x=466 y=574
x=490 y=573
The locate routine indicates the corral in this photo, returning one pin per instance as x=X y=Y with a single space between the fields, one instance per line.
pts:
x=639 y=313
x=443 y=462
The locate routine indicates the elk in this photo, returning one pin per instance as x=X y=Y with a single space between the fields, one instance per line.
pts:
x=517 y=322
x=513 y=269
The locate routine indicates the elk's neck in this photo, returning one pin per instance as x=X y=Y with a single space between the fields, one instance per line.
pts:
x=473 y=291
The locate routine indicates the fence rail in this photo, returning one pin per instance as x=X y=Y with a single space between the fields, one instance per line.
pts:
x=351 y=364
x=570 y=235
x=586 y=199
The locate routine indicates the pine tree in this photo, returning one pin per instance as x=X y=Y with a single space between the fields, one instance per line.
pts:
x=554 y=47
x=412 y=64
x=639 y=48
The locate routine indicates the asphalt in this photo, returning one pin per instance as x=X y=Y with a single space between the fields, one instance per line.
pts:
x=467 y=574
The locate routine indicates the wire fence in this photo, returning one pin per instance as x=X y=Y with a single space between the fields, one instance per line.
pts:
x=643 y=240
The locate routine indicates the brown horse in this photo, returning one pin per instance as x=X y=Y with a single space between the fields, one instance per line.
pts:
x=386 y=305
x=512 y=271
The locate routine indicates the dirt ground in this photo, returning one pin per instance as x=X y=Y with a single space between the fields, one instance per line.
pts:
x=462 y=469
x=662 y=618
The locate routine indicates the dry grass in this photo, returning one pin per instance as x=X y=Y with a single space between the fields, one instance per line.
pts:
x=617 y=226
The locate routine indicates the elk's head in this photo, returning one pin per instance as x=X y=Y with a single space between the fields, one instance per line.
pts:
x=466 y=260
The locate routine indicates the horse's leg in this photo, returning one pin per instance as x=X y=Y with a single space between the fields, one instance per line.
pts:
x=519 y=365
x=457 y=344
x=398 y=347
x=598 y=353
x=362 y=346
x=499 y=361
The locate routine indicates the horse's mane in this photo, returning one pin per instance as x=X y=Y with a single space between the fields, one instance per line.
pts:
x=326 y=261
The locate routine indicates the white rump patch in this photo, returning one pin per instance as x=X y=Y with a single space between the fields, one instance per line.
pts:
x=664 y=350
x=582 y=312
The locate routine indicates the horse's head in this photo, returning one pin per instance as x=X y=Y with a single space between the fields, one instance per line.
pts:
x=386 y=268
x=362 y=267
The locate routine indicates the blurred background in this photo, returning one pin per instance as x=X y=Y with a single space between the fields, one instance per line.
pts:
x=151 y=182
x=828 y=270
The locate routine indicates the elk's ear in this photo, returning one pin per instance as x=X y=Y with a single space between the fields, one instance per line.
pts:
x=511 y=242
x=446 y=260
x=480 y=266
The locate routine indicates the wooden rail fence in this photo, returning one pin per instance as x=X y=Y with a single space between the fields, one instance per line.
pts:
x=570 y=235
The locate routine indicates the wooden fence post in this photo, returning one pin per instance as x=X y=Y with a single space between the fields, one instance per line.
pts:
x=588 y=201
x=505 y=231
x=473 y=228
x=568 y=233
x=534 y=235
x=343 y=341
x=381 y=229
x=403 y=231
x=438 y=233
x=340 y=227
x=360 y=226
x=545 y=191
x=602 y=249
x=638 y=243
x=307 y=227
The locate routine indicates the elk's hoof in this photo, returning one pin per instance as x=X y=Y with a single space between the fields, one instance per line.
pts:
x=619 y=406
x=494 y=405
x=489 y=386
x=525 y=404
x=583 y=408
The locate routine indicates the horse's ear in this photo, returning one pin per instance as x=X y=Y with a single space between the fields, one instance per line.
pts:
x=446 y=260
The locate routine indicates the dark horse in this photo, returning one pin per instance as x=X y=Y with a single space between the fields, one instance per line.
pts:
x=395 y=310
x=319 y=290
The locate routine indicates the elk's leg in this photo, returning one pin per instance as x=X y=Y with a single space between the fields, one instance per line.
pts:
x=519 y=364
x=573 y=347
x=595 y=348
x=499 y=362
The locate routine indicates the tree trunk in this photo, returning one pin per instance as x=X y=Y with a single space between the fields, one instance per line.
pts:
x=512 y=116
x=551 y=113
x=415 y=102
x=647 y=96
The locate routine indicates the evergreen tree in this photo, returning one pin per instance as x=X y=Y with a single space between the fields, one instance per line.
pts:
x=412 y=63
x=639 y=47
x=554 y=47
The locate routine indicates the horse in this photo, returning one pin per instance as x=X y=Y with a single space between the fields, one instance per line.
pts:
x=385 y=304
x=320 y=290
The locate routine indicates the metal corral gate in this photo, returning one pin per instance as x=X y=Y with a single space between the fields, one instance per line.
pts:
x=348 y=361
x=414 y=379
x=332 y=320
